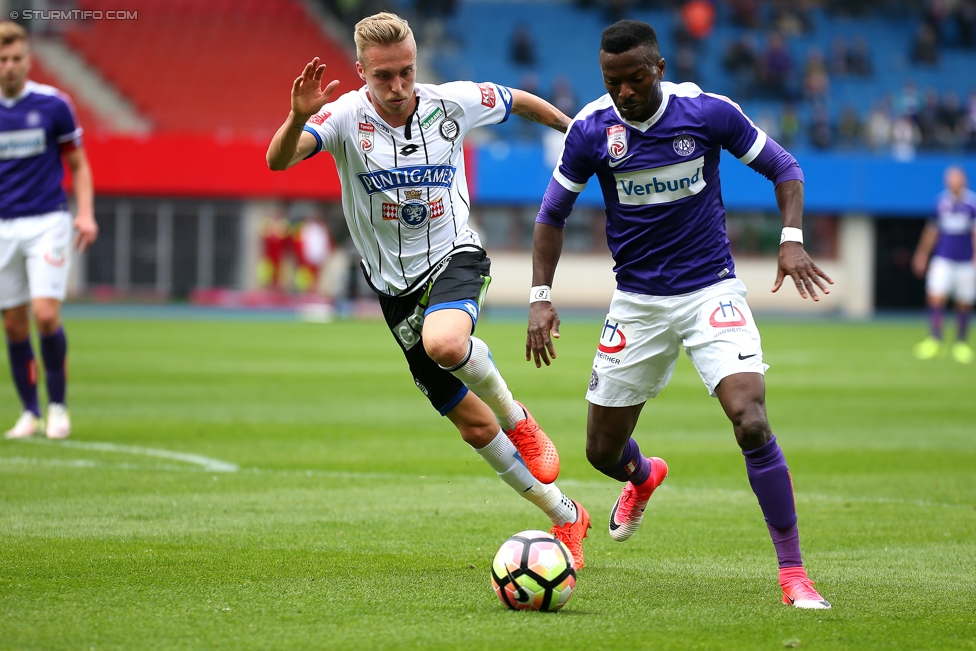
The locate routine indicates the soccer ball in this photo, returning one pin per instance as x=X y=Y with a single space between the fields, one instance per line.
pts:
x=533 y=571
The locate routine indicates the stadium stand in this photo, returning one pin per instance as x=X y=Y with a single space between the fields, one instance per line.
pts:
x=568 y=39
x=201 y=66
x=87 y=118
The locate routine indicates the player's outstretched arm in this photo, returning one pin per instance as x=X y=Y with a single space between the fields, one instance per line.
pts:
x=291 y=144
x=547 y=245
x=793 y=259
x=535 y=109
x=81 y=181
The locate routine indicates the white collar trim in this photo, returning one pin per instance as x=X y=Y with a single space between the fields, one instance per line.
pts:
x=651 y=121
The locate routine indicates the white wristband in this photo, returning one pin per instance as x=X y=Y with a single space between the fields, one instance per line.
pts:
x=540 y=293
x=791 y=235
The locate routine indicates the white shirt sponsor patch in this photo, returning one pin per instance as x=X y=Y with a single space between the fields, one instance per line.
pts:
x=661 y=184
x=23 y=143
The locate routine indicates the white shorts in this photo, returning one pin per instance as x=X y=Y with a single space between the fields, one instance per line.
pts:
x=643 y=335
x=951 y=278
x=35 y=255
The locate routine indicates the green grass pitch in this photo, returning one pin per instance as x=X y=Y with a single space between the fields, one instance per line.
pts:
x=357 y=519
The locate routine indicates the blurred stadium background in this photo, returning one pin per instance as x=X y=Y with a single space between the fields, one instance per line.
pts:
x=179 y=99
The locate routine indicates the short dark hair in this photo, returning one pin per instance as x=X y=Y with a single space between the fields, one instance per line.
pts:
x=625 y=35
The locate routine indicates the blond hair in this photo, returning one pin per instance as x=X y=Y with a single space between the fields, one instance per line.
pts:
x=381 y=29
x=11 y=32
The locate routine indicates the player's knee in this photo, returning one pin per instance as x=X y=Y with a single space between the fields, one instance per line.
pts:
x=16 y=325
x=752 y=430
x=478 y=435
x=48 y=320
x=447 y=349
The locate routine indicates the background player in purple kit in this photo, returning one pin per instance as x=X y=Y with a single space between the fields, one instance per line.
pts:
x=654 y=147
x=949 y=239
x=37 y=129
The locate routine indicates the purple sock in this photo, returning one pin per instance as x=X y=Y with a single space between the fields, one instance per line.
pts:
x=962 y=324
x=770 y=479
x=24 y=369
x=54 y=350
x=633 y=466
x=935 y=321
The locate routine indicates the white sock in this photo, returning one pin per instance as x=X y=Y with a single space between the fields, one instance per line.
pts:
x=503 y=459
x=481 y=376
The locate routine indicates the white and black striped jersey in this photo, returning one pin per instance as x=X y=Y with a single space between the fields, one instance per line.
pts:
x=404 y=190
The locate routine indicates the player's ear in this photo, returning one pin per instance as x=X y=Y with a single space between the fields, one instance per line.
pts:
x=359 y=69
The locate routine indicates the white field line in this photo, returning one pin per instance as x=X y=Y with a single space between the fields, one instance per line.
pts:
x=208 y=464
x=211 y=465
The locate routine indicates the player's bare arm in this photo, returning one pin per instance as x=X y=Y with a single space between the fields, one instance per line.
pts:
x=291 y=144
x=793 y=259
x=81 y=181
x=535 y=109
x=926 y=244
x=547 y=245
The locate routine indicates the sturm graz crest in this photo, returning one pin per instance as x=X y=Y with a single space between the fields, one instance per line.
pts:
x=684 y=145
x=449 y=129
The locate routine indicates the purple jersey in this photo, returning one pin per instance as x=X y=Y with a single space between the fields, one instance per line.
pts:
x=660 y=183
x=955 y=219
x=35 y=128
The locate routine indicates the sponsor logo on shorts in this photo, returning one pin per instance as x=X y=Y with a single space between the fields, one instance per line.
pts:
x=56 y=257
x=613 y=339
x=421 y=387
x=727 y=315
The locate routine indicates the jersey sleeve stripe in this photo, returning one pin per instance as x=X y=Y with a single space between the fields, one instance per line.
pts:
x=70 y=136
x=572 y=186
x=756 y=148
x=318 y=141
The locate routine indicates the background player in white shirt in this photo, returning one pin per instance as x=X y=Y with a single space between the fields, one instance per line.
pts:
x=398 y=149
x=37 y=130
x=950 y=239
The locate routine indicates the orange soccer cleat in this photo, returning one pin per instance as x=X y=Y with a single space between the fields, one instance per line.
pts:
x=536 y=449
x=573 y=533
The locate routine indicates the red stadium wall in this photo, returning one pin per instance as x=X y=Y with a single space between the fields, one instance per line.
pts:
x=187 y=165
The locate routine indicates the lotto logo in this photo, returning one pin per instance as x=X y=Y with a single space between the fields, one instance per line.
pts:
x=487 y=95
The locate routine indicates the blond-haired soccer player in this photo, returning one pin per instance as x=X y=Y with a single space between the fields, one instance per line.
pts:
x=397 y=145
x=37 y=129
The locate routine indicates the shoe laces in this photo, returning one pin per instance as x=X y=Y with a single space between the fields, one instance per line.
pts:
x=524 y=436
x=800 y=586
